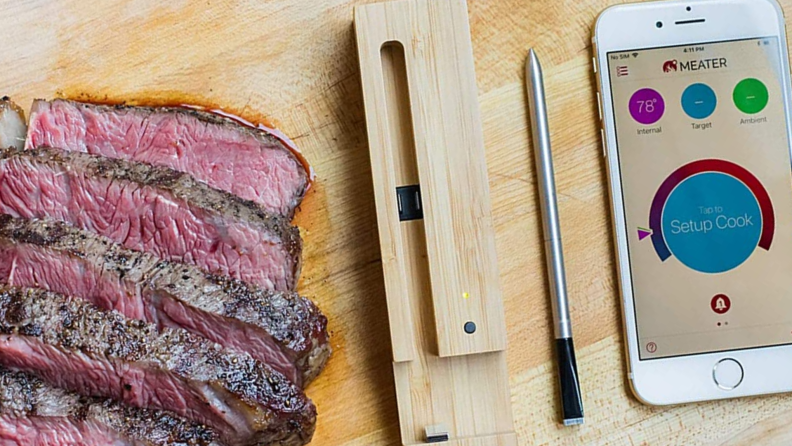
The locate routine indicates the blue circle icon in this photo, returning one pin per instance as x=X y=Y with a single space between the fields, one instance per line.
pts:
x=712 y=222
x=698 y=101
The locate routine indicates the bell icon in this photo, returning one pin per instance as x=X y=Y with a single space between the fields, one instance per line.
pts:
x=720 y=303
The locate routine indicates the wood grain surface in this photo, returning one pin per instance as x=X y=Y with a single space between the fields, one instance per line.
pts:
x=294 y=62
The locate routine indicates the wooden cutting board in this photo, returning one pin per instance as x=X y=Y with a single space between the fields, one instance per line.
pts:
x=294 y=63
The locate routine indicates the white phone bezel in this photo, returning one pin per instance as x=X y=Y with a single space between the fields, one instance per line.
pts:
x=633 y=27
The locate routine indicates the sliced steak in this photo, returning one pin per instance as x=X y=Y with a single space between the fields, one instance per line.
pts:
x=280 y=328
x=12 y=124
x=152 y=209
x=34 y=413
x=73 y=345
x=251 y=163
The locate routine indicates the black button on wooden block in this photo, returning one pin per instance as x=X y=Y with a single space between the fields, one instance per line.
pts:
x=410 y=206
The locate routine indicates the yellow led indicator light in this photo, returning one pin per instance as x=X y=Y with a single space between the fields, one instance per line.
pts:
x=466 y=295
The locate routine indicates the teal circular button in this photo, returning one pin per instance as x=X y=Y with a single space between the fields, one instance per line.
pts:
x=699 y=101
x=712 y=222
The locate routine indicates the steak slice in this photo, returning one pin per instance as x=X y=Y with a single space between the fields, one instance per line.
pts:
x=280 y=328
x=34 y=413
x=152 y=209
x=251 y=163
x=73 y=345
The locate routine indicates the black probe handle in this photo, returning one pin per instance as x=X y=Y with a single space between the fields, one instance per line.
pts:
x=571 y=399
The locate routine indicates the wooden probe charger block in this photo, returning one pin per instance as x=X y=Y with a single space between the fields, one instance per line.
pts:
x=445 y=307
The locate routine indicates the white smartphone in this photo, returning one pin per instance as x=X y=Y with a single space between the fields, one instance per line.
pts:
x=695 y=108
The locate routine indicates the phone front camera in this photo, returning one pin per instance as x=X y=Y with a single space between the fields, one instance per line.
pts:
x=659 y=24
x=688 y=9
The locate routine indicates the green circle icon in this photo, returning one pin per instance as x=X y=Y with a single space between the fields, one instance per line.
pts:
x=750 y=96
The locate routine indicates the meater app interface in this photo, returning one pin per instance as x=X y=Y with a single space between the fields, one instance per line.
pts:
x=707 y=184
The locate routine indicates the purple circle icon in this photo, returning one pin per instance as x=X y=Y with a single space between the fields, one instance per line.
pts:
x=647 y=106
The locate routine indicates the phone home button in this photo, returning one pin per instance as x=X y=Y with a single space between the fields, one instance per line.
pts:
x=727 y=373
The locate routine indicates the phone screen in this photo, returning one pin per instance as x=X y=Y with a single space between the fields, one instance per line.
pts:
x=707 y=188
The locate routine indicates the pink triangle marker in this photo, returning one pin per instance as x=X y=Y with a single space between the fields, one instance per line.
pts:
x=643 y=233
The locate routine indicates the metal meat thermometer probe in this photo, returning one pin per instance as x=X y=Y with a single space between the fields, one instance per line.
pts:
x=571 y=400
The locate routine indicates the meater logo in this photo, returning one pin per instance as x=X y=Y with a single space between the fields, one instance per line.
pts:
x=694 y=65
